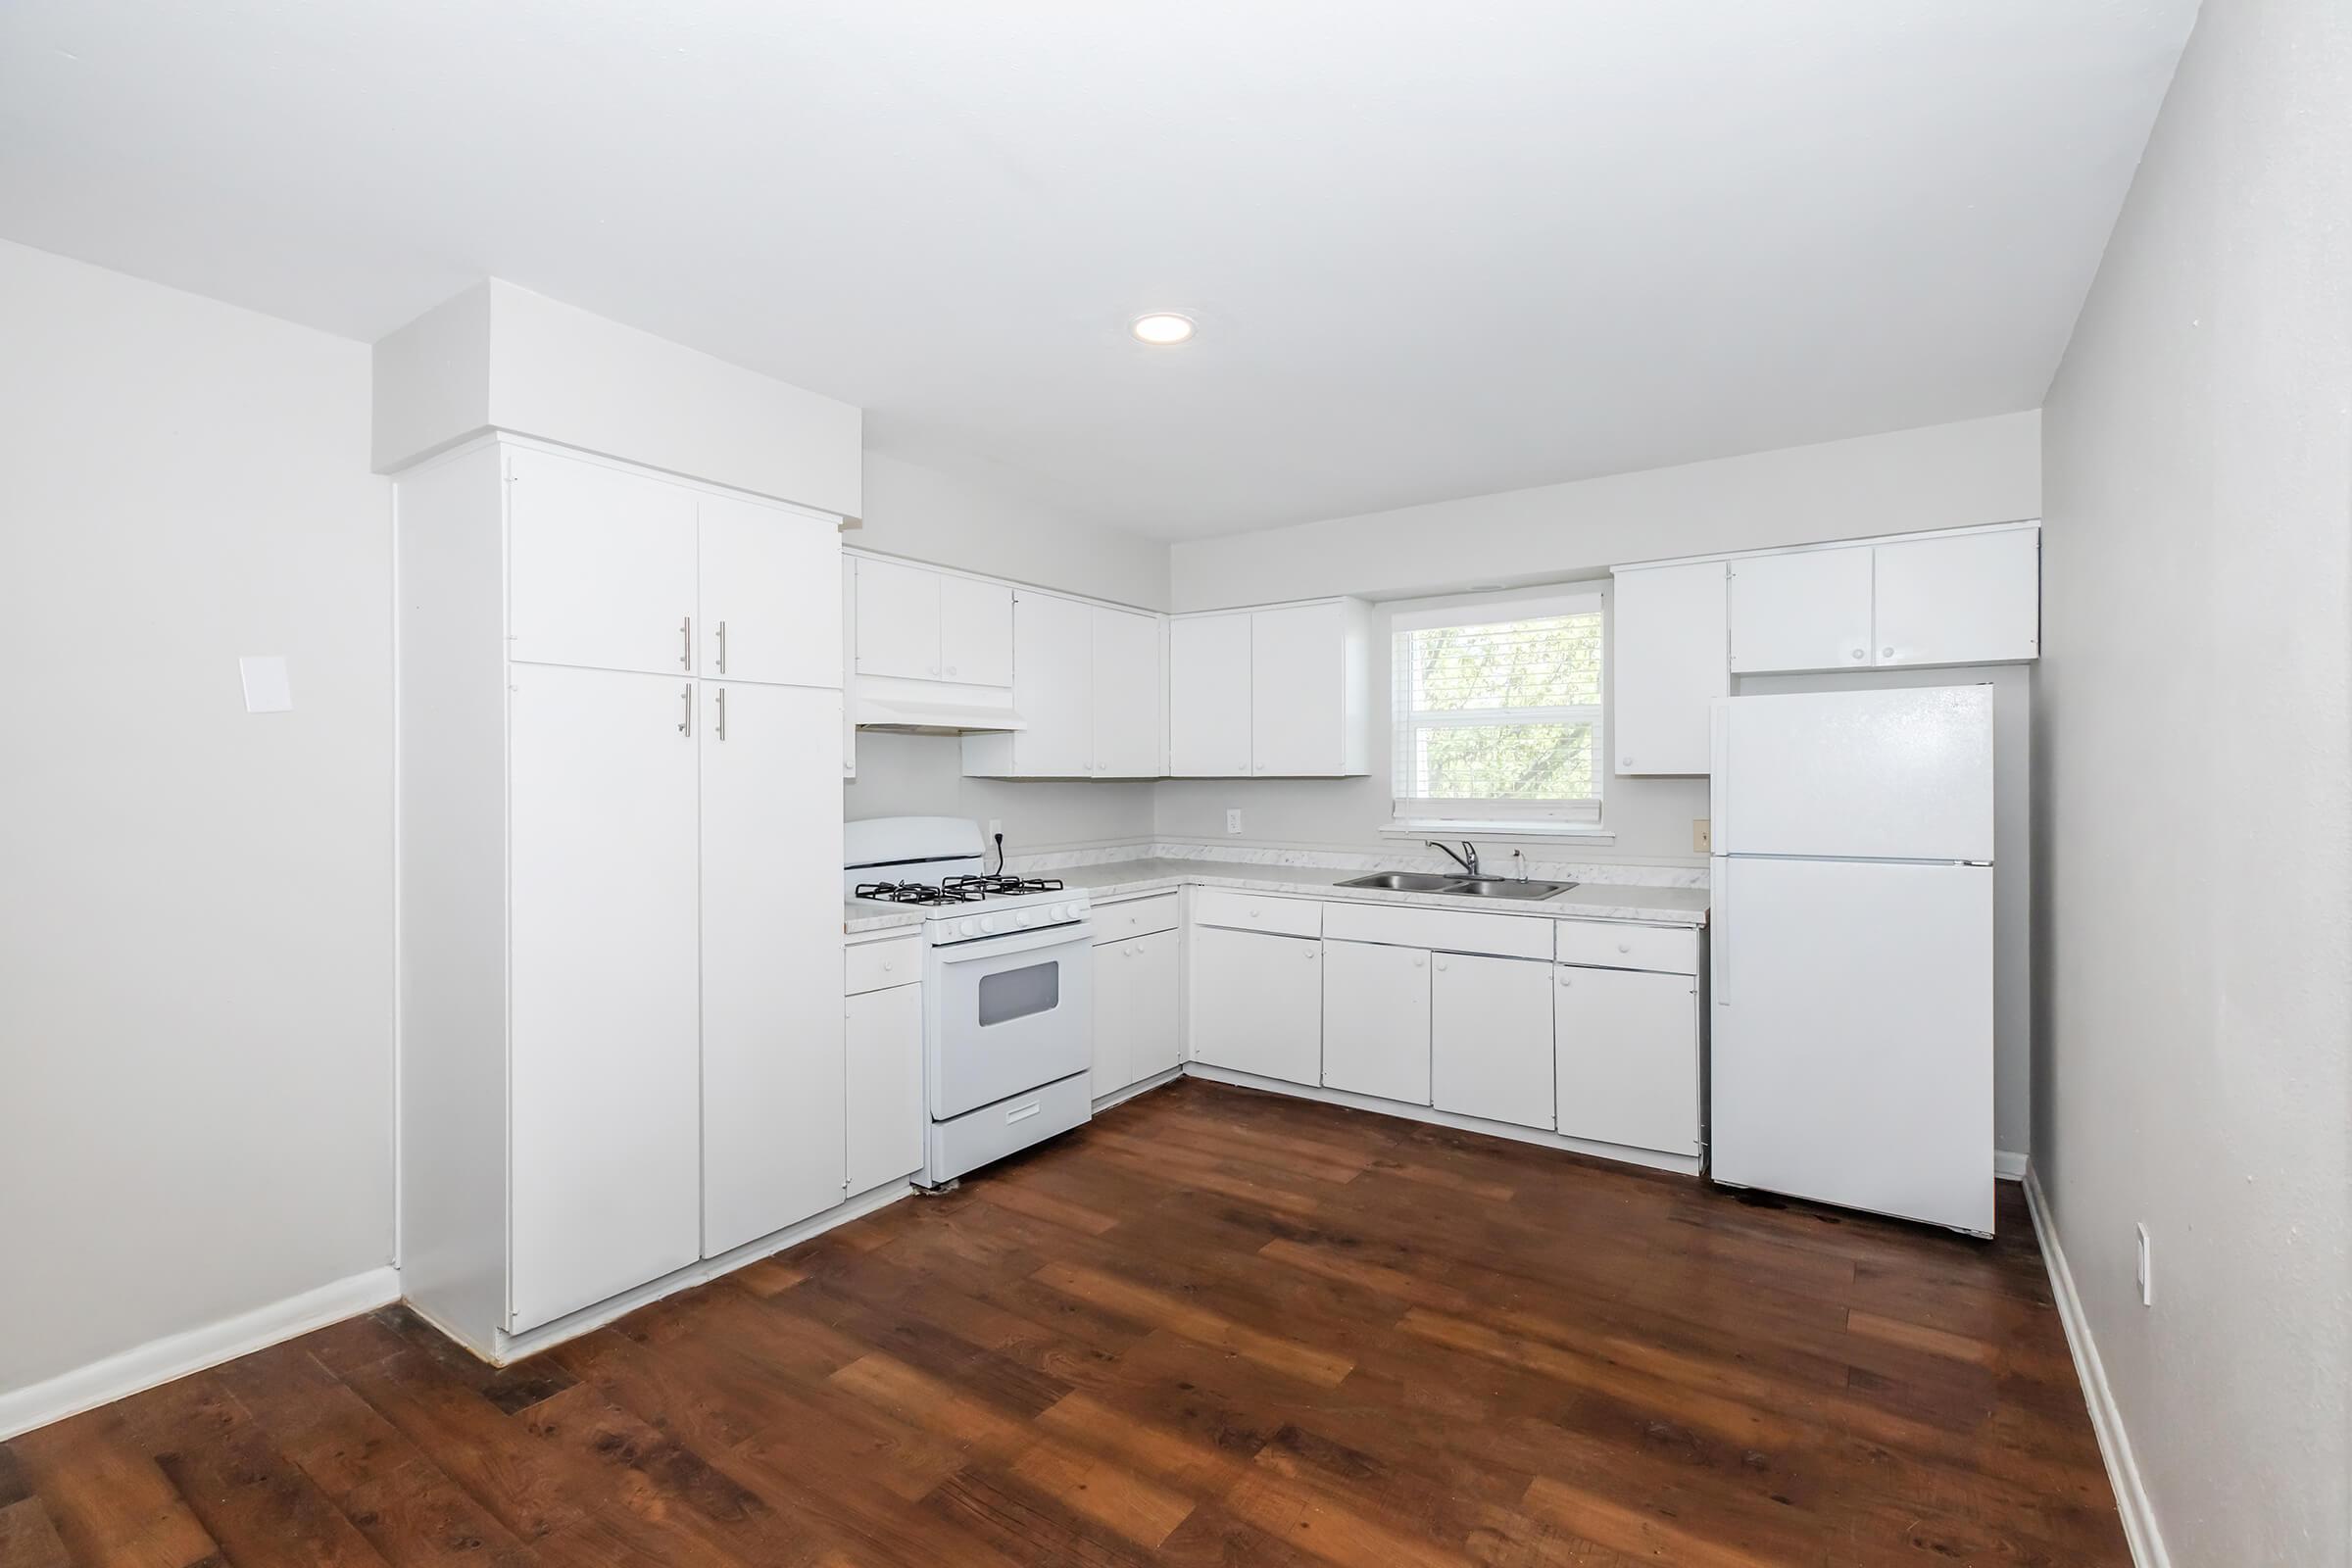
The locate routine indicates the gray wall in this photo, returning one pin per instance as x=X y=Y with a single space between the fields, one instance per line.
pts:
x=926 y=516
x=2195 y=889
x=196 y=941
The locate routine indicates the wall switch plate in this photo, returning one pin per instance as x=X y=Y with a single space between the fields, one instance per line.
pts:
x=267 y=687
x=1701 y=838
x=2147 y=1269
x=1233 y=820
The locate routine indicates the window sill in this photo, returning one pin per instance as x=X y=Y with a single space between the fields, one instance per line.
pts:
x=1582 y=832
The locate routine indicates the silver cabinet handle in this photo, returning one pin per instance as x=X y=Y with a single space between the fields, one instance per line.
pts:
x=686 y=711
x=722 y=713
x=722 y=648
x=686 y=644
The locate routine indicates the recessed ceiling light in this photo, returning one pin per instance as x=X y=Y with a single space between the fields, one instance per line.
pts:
x=1161 y=328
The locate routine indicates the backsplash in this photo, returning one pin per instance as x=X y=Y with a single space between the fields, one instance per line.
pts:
x=1617 y=874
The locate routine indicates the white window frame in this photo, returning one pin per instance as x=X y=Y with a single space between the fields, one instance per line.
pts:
x=1580 y=817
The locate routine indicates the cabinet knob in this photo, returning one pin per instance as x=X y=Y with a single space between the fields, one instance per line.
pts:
x=1885 y=653
x=1563 y=977
x=1311 y=954
x=1441 y=964
x=934 y=668
x=1625 y=947
x=950 y=671
x=1625 y=762
x=1858 y=653
x=1418 y=960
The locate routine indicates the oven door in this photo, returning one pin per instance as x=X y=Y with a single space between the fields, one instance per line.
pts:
x=1008 y=1014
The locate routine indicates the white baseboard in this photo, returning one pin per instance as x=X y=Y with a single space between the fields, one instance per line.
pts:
x=2008 y=1165
x=2115 y=1446
x=176 y=1355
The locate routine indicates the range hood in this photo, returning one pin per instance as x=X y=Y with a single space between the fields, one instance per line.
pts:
x=932 y=706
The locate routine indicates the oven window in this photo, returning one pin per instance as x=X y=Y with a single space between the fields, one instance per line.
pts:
x=1018 y=992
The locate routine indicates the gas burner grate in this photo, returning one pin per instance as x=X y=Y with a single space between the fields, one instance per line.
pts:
x=919 y=892
x=998 y=883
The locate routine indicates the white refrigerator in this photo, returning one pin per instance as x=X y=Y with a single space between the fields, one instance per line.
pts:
x=1851 y=1056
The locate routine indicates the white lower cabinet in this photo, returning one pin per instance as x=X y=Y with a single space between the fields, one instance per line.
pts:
x=1257 y=1003
x=884 y=1091
x=605 y=1117
x=1376 y=1021
x=1628 y=1057
x=771 y=1039
x=1134 y=1011
x=1490 y=1038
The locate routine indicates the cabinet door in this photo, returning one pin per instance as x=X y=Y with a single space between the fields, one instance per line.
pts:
x=886 y=1086
x=1052 y=686
x=1628 y=1057
x=1376 y=1021
x=605 y=1123
x=1208 y=697
x=1808 y=609
x=975 y=632
x=1257 y=1003
x=1671 y=652
x=772 y=1118
x=771 y=595
x=1128 y=732
x=898 y=621
x=1972 y=599
x=600 y=567
x=1299 y=691
x=1135 y=1011
x=1491 y=1037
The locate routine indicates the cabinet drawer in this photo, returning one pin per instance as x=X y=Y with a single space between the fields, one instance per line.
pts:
x=1671 y=950
x=872 y=966
x=1136 y=917
x=1254 y=912
x=1505 y=936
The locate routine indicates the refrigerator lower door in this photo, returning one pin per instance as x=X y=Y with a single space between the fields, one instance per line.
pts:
x=1851 y=1041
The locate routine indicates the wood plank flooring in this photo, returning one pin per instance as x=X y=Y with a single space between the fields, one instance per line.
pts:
x=1215 y=1327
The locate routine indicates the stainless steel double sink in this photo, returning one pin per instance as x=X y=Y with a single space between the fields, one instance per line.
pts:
x=1475 y=887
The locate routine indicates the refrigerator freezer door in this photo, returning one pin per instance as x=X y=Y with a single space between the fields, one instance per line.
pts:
x=1852 y=1055
x=1895 y=774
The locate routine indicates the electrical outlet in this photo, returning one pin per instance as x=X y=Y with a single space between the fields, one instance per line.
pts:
x=2147 y=1270
x=996 y=825
x=1233 y=820
x=1701 y=838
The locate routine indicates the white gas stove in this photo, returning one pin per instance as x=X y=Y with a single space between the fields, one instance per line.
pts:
x=1007 y=986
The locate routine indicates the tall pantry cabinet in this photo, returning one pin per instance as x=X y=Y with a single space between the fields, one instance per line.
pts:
x=619 y=834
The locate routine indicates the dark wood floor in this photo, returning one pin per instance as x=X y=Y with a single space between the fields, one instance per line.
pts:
x=1214 y=1327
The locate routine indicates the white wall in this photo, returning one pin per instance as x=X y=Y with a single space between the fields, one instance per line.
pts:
x=2194 y=893
x=923 y=514
x=1942 y=476
x=922 y=775
x=196 y=922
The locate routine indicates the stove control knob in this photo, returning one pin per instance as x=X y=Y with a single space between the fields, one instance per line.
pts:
x=969 y=928
x=986 y=922
x=1025 y=917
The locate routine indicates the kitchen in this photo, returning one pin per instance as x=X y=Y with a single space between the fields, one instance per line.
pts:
x=1473 y=927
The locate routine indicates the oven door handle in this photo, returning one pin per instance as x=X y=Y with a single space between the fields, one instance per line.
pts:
x=973 y=950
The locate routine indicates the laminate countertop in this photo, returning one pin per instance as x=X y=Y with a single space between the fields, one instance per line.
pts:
x=1116 y=880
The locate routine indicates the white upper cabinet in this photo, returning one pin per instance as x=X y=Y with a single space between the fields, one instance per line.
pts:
x=1966 y=599
x=975 y=632
x=1208 y=695
x=898 y=621
x=1808 y=610
x=600 y=567
x=1670 y=658
x=1128 y=732
x=771 y=595
x=1053 y=686
x=1940 y=599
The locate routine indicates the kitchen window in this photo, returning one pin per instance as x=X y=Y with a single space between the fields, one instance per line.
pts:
x=1499 y=715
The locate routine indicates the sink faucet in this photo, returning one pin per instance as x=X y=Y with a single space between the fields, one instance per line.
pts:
x=1467 y=859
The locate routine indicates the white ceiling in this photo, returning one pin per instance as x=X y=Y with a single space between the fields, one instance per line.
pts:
x=1434 y=250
